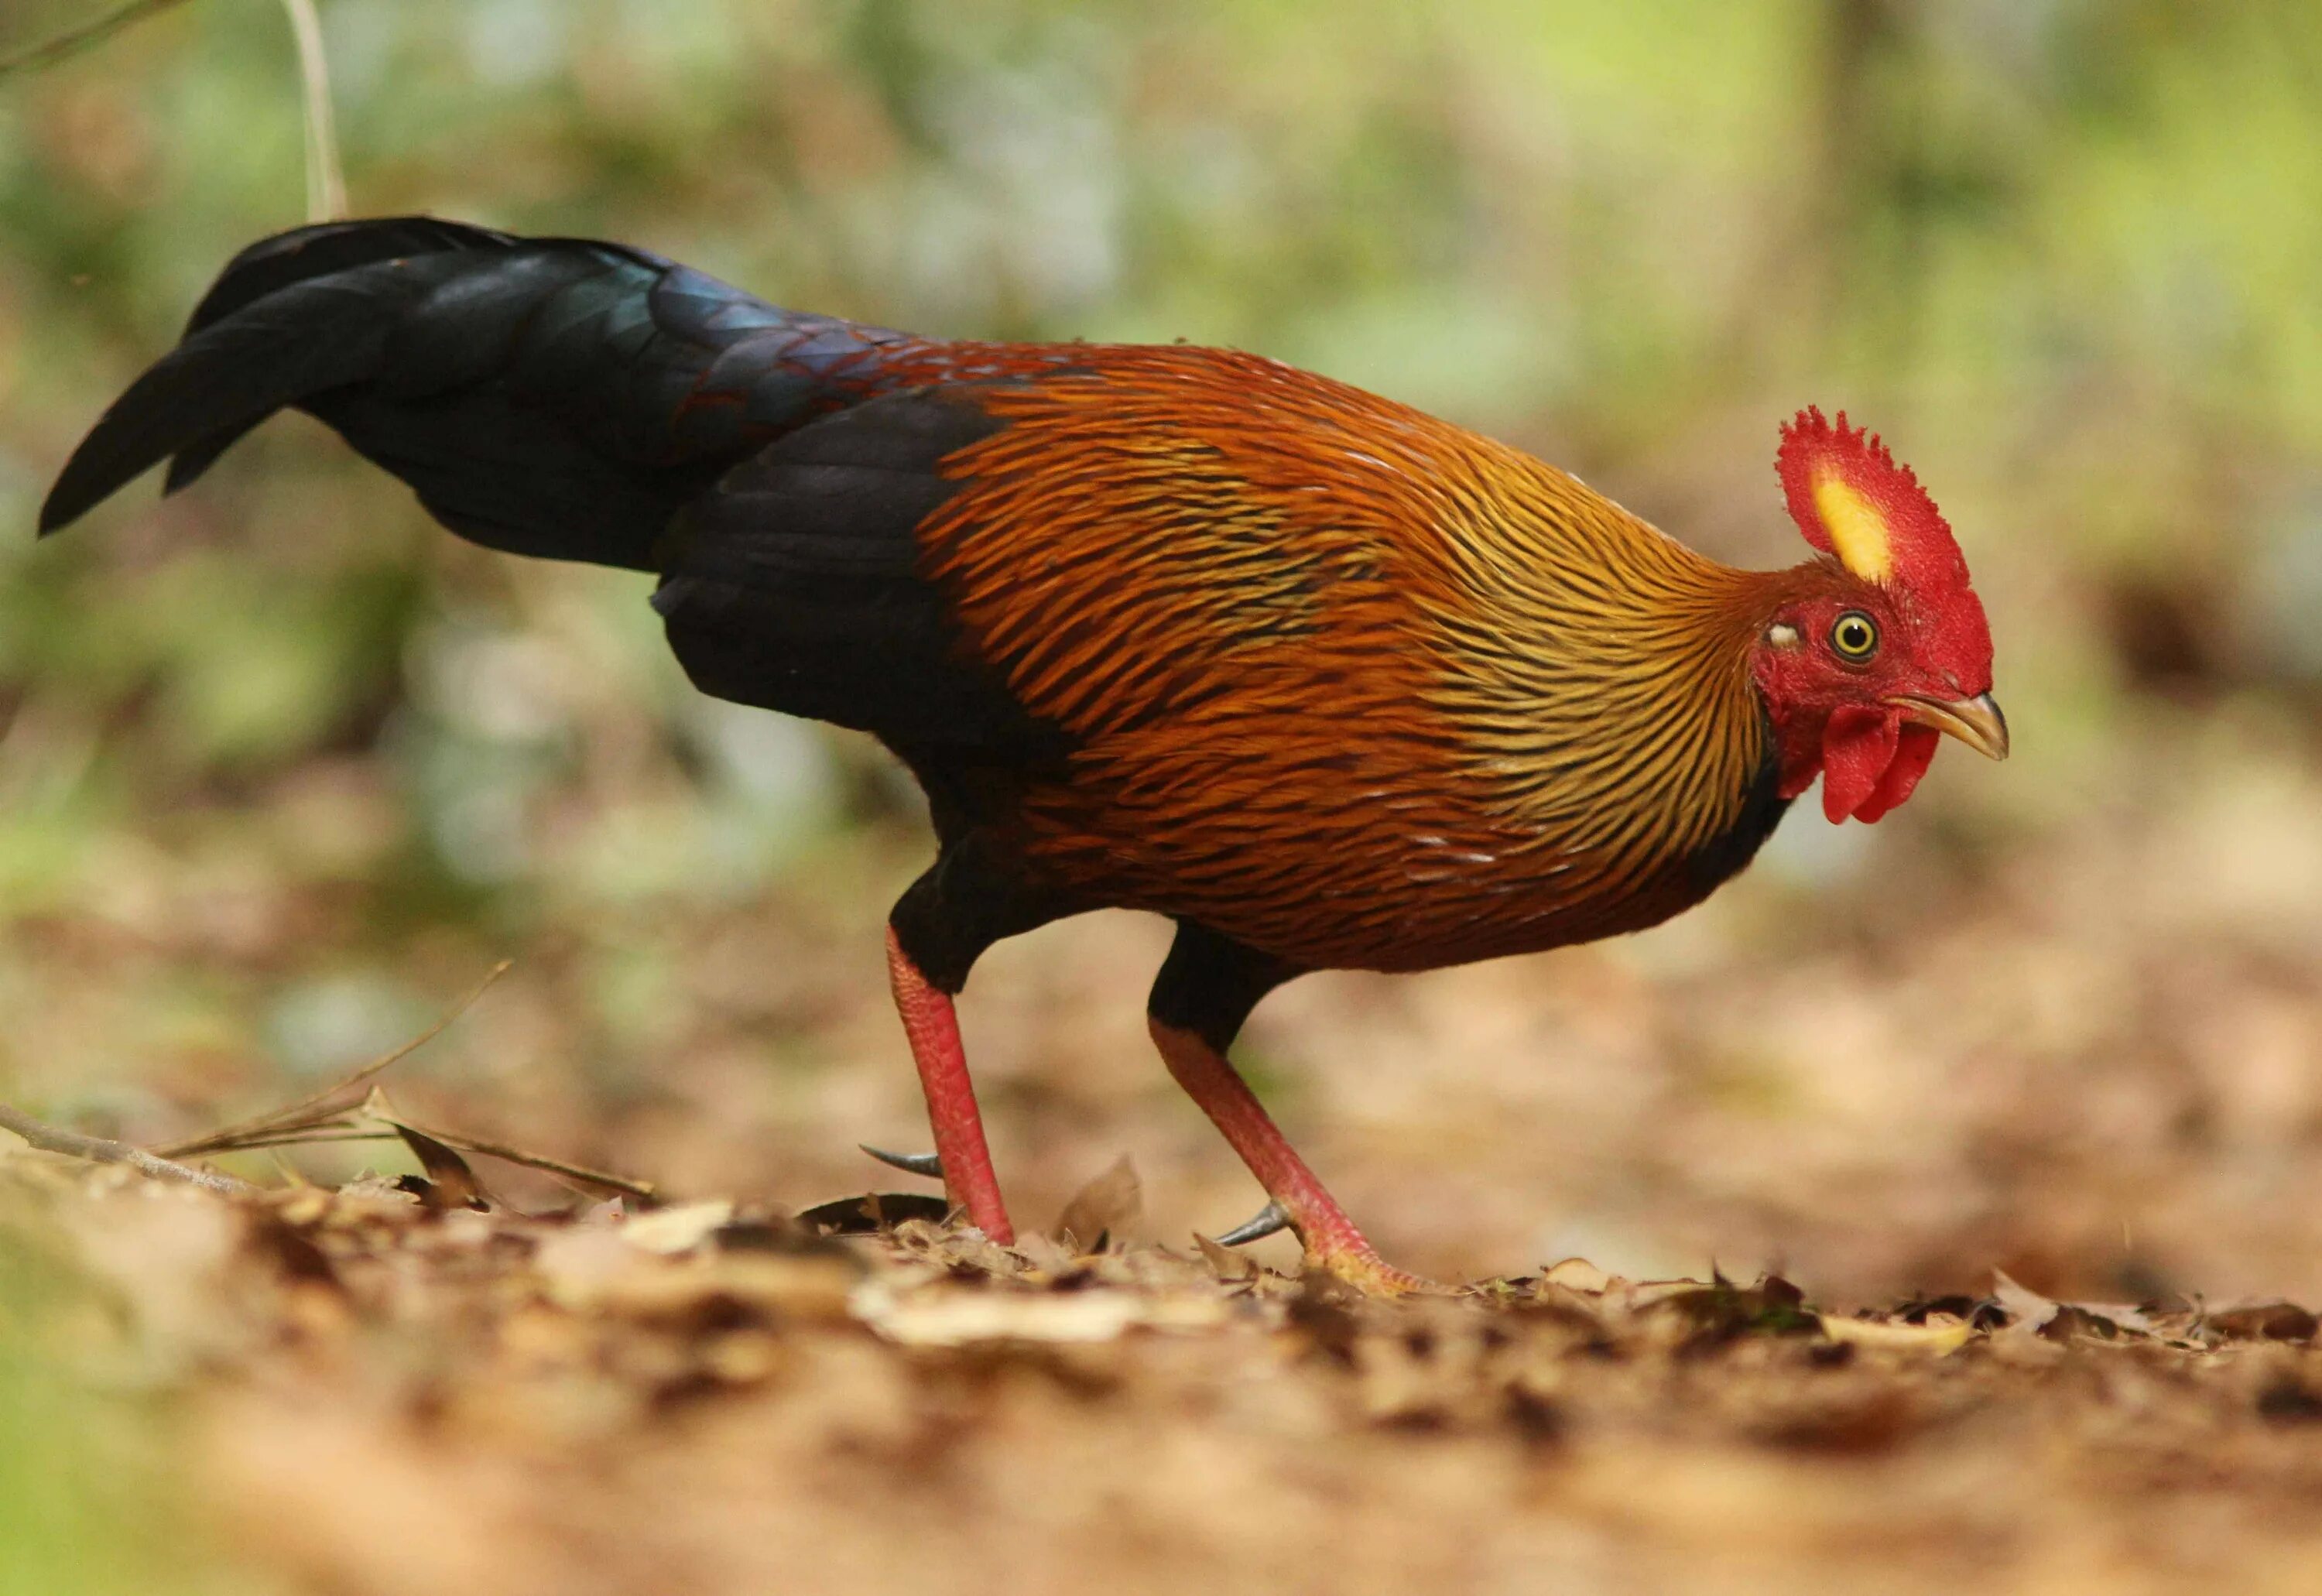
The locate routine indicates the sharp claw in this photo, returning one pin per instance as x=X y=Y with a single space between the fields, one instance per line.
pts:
x=1268 y=1219
x=910 y=1164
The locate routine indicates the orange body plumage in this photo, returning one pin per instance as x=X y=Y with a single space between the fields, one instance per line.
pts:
x=1345 y=683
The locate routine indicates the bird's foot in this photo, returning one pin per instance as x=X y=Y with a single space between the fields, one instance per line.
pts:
x=1343 y=1254
x=1297 y=1200
x=1362 y=1268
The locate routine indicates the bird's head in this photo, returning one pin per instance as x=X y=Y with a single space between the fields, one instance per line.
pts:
x=1881 y=648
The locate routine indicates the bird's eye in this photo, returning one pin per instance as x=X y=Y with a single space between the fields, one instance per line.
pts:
x=1855 y=636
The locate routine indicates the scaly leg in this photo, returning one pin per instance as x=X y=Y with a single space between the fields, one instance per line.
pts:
x=1206 y=989
x=933 y=1029
x=1331 y=1240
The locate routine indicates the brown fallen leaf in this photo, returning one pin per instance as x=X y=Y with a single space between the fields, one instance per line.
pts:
x=2030 y=1313
x=450 y=1182
x=872 y=1212
x=2027 y=1312
x=1227 y=1264
x=1103 y=1210
x=2264 y=1321
x=679 y=1229
x=1577 y=1275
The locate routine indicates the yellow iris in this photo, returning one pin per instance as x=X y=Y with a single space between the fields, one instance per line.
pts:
x=1854 y=635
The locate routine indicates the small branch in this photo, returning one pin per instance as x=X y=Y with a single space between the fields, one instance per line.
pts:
x=580 y=1175
x=326 y=185
x=72 y=1144
x=350 y=1109
x=50 y=51
x=309 y=1112
x=331 y=1130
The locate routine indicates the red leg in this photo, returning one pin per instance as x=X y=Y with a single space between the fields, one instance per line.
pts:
x=934 y=1030
x=1330 y=1237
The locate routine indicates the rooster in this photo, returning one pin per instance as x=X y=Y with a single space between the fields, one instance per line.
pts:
x=1329 y=683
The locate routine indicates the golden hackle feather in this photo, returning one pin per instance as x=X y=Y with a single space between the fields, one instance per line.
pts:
x=1346 y=682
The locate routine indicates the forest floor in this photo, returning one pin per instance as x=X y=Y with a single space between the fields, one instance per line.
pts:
x=2082 y=1063
x=385 y=1387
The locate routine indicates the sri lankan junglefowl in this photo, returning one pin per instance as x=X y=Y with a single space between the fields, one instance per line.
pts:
x=1329 y=683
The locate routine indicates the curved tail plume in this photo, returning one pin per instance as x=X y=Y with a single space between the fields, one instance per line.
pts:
x=549 y=396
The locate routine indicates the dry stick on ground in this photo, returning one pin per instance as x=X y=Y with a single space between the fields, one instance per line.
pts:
x=72 y=1144
x=279 y=1129
x=580 y=1175
x=314 y=1112
x=348 y=1129
x=335 y=1114
x=348 y=1109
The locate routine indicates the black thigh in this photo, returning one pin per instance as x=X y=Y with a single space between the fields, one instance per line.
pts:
x=968 y=899
x=1208 y=984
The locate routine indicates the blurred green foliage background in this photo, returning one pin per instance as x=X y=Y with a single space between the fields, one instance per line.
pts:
x=2064 y=254
x=284 y=766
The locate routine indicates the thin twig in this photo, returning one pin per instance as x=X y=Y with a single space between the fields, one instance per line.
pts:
x=309 y=1136
x=313 y=1112
x=73 y=41
x=348 y=1109
x=326 y=185
x=579 y=1173
x=72 y=1144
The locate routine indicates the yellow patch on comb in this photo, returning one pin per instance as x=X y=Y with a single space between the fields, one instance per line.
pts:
x=1858 y=531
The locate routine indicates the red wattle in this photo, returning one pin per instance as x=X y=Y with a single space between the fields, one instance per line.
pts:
x=1858 y=745
x=1910 y=762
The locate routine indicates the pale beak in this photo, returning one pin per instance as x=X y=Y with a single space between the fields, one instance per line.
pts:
x=1976 y=722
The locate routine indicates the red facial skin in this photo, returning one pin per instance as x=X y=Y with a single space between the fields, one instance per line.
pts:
x=1834 y=717
x=1838 y=717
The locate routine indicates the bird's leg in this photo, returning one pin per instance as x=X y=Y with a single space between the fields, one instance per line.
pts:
x=1331 y=1240
x=934 y=1030
x=1206 y=988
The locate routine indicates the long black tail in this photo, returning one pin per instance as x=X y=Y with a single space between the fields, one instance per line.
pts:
x=550 y=396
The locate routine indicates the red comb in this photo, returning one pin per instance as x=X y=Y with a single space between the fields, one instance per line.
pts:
x=1918 y=549
x=1851 y=499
